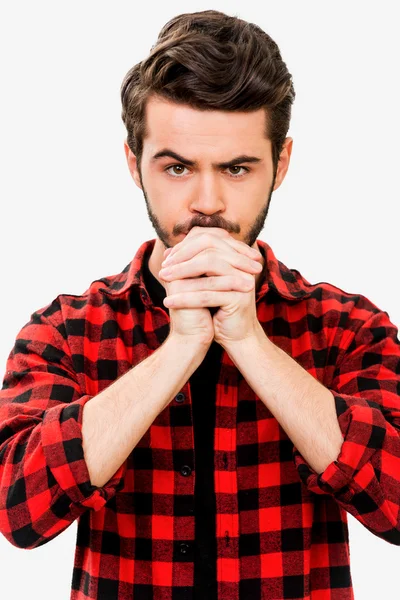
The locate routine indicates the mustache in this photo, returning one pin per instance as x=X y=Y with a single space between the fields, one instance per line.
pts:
x=205 y=222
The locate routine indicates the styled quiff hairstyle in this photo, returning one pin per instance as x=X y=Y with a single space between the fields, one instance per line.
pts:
x=209 y=60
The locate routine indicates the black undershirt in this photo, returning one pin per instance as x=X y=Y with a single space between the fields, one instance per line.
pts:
x=203 y=386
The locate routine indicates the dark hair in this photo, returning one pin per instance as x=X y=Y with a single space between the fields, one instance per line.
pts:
x=209 y=60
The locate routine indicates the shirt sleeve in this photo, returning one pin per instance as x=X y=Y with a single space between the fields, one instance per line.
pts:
x=44 y=479
x=365 y=478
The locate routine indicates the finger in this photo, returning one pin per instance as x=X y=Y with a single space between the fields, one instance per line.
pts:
x=197 y=229
x=208 y=263
x=207 y=298
x=183 y=251
x=239 y=283
x=209 y=241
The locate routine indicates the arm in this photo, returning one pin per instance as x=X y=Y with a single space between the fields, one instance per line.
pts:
x=304 y=407
x=361 y=470
x=45 y=481
x=117 y=418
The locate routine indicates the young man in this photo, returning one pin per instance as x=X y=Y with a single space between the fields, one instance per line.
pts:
x=210 y=427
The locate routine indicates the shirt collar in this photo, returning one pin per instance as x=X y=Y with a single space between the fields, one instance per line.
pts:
x=286 y=282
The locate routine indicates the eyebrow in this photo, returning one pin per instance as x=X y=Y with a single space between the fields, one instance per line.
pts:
x=243 y=158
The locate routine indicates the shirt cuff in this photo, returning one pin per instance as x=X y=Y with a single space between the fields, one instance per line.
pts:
x=363 y=429
x=61 y=434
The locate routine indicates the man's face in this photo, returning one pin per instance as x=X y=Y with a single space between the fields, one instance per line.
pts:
x=180 y=196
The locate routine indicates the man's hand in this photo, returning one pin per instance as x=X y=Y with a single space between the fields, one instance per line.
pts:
x=215 y=270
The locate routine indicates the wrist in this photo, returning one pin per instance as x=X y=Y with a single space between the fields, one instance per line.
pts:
x=189 y=343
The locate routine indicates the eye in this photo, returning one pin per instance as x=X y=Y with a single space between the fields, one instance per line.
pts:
x=239 y=167
x=174 y=166
x=246 y=169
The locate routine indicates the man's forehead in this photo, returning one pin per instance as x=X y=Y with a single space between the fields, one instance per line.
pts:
x=172 y=118
x=197 y=136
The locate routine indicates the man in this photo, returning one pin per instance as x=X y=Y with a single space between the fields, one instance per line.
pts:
x=210 y=427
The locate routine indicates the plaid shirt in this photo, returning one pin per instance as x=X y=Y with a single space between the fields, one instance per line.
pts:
x=281 y=528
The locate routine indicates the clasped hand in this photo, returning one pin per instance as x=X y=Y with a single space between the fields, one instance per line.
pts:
x=211 y=269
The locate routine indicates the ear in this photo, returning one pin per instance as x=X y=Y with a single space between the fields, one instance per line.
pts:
x=284 y=160
x=132 y=164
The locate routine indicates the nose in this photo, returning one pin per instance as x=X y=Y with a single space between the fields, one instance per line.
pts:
x=207 y=195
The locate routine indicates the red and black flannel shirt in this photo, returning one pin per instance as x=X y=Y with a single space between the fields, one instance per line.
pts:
x=281 y=528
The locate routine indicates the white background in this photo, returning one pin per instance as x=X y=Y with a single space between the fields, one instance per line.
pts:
x=71 y=213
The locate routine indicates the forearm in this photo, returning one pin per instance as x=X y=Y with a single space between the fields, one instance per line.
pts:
x=117 y=418
x=301 y=404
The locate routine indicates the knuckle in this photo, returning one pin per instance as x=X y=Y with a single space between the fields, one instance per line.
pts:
x=209 y=259
x=248 y=283
x=211 y=282
x=209 y=239
x=244 y=259
x=175 y=285
x=223 y=232
x=209 y=256
x=216 y=230
x=237 y=281
x=245 y=246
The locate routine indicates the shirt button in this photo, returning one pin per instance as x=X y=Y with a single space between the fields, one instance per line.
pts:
x=186 y=470
x=180 y=397
x=184 y=548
